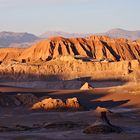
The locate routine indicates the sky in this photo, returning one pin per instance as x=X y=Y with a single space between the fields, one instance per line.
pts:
x=79 y=16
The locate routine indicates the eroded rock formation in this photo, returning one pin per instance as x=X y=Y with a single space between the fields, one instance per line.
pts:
x=86 y=86
x=96 y=47
x=72 y=103
x=49 y=104
x=43 y=103
x=102 y=125
x=53 y=104
x=61 y=58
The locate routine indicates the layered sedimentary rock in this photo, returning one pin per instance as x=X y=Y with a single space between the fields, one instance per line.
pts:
x=61 y=58
x=96 y=47
x=58 y=69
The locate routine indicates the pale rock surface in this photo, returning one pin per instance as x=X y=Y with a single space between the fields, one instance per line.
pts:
x=86 y=86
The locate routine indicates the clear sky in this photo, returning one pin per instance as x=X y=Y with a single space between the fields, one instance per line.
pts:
x=39 y=16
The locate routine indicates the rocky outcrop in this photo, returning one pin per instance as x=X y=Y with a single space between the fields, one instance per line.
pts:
x=43 y=103
x=49 y=104
x=60 y=58
x=86 y=86
x=96 y=47
x=102 y=125
x=54 y=104
x=72 y=103
x=66 y=70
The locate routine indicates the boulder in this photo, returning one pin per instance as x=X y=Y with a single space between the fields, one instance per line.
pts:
x=72 y=103
x=49 y=104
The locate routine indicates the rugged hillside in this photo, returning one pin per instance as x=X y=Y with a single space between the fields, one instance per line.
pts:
x=95 y=47
x=61 y=58
x=10 y=38
x=7 y=54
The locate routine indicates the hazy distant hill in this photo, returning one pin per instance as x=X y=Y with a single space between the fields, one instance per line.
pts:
x=49 y=34
x=11 y=39
x=121 y=33
x=115 y=33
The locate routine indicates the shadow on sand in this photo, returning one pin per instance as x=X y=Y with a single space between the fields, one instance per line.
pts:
x=86 y=98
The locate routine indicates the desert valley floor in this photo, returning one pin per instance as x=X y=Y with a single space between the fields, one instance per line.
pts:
x=121 y=98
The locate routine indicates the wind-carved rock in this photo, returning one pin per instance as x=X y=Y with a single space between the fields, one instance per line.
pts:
x=103 y=124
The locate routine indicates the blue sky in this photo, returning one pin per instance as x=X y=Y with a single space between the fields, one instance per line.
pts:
x=39 y=16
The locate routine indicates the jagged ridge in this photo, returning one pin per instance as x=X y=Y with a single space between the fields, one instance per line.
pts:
x=97 y=47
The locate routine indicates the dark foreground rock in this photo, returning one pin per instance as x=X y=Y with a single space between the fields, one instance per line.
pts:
x=102 y=125
x=102 y=128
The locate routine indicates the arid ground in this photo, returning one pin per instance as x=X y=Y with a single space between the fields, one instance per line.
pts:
x=119 y=97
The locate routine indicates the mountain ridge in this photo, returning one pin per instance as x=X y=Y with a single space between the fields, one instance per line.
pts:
x=24 y=39
x=9 y=38
x=121 y=33
x=50 y=34
x=96 y=47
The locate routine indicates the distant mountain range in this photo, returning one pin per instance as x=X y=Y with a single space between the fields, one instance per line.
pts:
x=13 y=39
x=49 y=34
x=114 y=33
x=121 y=33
